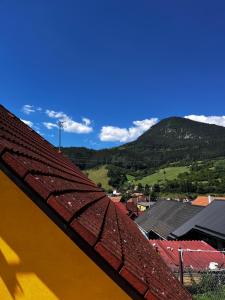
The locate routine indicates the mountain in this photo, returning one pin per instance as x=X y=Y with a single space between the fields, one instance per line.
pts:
x=174 y=139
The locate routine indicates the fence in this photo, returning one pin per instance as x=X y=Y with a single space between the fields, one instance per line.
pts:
x=205 y=278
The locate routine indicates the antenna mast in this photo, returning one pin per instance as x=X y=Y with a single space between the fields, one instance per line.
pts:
x=60 y=125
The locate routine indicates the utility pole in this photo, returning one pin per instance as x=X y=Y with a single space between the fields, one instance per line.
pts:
x=60 y=125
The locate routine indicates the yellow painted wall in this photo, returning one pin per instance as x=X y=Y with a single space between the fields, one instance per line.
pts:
x=38 y=261
x=141 y=208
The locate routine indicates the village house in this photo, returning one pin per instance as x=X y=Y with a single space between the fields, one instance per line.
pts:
x=205 y=200
x=164 y=217
x=198 y=258
x=207 y=225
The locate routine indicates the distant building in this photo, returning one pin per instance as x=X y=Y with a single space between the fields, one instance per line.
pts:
x=143 y=206
x=195 y=263
x=164 y=217
x=207 y=225
x=205 y=200
x=115 y=198
x=115 y=193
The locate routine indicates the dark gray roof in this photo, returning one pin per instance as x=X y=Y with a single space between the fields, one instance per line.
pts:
x=166 y=216
x=210 y=220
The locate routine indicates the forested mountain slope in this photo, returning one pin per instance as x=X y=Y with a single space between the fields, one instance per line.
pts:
x=171 y=140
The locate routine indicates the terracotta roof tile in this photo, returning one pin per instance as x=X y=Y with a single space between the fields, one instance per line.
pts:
x=201 y=200
x=116 y=198
x=39 y=167
x=109 y=245
x=67 y=205
x=89 y=223
x=47 y=185
x=122 y=207
x=63 y=191
x=204 y=200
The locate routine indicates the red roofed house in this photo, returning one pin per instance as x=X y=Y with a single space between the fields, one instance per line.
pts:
x=194 y=263
x=61 y=237
x=115 y=199
x=205 y=200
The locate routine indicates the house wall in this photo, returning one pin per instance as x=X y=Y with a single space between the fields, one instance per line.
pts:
x=141 y=207
x=38 y=261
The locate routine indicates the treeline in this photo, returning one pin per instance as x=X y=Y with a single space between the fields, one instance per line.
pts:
x=173 y=140
x=203 y=178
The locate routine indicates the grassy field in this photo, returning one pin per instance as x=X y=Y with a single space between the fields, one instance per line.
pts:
x=99 y=175
x=161 y=175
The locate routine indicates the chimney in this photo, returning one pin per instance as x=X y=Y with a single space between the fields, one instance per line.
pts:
x=210 y=199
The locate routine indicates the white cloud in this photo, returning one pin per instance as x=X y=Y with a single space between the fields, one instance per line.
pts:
x=49 y=125
x=117 y=134
x=29 y=123
x=55 y=114
x=27 y=109
x=217 y=120
x=69 y=125
x=86 y=121
x=75 y=127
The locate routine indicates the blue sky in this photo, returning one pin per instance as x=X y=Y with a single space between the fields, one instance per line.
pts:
x=111 y=69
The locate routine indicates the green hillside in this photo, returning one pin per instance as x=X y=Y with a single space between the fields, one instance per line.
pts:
x=99 y=175
x=200 y=177
x=172 y=140
x=161 y=175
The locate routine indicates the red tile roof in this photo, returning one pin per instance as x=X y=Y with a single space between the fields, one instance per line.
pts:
x=132 y=207
x=84 y=212
x=133 y=210
x=122 y=207
x=116 y=199
x=198 y=261
x=204 y=201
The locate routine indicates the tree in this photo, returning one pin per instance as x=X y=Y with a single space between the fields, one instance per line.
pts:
x=140 y=188
x=99 y=185
x=156 y=188
x=153 y=196
x=110 y=191
x=125 y=197
x=117 y=177
x=147 y=190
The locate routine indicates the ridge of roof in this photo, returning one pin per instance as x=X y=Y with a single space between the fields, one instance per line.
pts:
x=84 y=212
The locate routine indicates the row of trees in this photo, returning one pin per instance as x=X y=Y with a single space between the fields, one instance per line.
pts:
x=203 y=178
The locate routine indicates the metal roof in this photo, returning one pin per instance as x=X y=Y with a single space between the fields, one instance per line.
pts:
x=210 y=220
x=165 y=216
x=196 y=260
